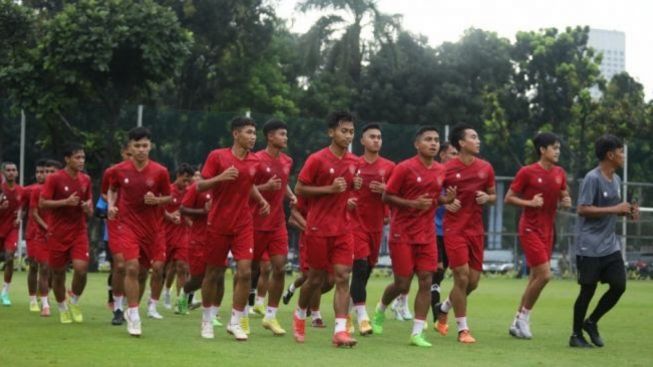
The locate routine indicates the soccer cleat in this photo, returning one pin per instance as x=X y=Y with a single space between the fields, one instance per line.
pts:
x=194 y=306
x=207 y=330
x=287 y=295
x=244 y=324
x=593 y=331
x=318 y=323
x=578 y=341
x=5 y=299
x=442 y=325
x=76 y=312
x=118 y=318
x=133 y=325
x=273 y=326
x=45 y=311
x=34 y=306
x=396 y=309
x=154 y=314
x=350 y=326
x=258 y=310
x=65 y=317
x=466 y=337
x=237 y=331
x=524 y=328
x=298 y=329
x=514 y=331
x=343 y=339
x=217 y=322
x=377 y=322
x=405 y=313
x=167 y=301
x=182 y=306
x=419 y=341
x=365 y=328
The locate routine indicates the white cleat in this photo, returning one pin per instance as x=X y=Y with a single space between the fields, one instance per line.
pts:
x=237 y=331
x=207 y=330
x=154 y=314
x=133 y=325
x=167 y=301
x=524 y=328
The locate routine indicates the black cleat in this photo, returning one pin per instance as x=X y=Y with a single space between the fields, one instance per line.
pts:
x=593 y=331
x=578 y=341
x=118 y=318
x=287 y=295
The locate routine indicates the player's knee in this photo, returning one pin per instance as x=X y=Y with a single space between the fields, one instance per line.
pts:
x=244 y=275
x=618 y=288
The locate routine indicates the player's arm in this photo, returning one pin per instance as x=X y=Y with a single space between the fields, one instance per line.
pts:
x=296 y=219
x=72 y=200
x=591 y=211
x=34 y=213
x=273 y=184
x=423 y=202
x=339 y=185
x=193 y=212
x=486 y=197
x=513 y=198
x=291 y=196
x=229 y=174
x=256 y=196
x=448 y=196
x=565 y=199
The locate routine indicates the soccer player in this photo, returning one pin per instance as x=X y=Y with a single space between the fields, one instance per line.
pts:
x=11 y=202
x=270 y=233
x=463 y=225
x=446 y=153
x=176 y=228
x=598 y=255
x=538 y=188
x=229 y=175
x=67 y=196
x=139 y=189
x=327 y=180
x=37 y=229
x=368 y=218
x=414 y=191
x=31 y=228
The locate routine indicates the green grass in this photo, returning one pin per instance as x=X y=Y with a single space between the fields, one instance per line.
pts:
x=28 y=340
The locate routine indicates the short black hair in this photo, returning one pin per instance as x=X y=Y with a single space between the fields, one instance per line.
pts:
x=335 y=118
x=273 y=125
x=239 y=122
x=71 y=149
x=139 y=133
x=42 y=162
x=605 y=144
x=7 y=163
x=370 y=126
x=544 y=140
x=185 y=169
x=458 y=133
x=424 y=129
x=443 y=148
x=53 y=163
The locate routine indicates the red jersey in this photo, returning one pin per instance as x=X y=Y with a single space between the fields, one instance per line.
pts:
x=176 y=233
x=66 y=223
x=410 y=180
x=478 y=176
x=196 y=200
x=16 y=199
x=328 y=216
x=106 y=179
x=534 y=179
x=270 y=166
x=230 y=211
x=370 y=210
x=132 y=185
x=31 y=228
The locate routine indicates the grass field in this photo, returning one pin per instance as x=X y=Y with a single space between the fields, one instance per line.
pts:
x=28 y=340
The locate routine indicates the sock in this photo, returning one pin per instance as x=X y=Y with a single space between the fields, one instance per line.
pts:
x=315 y=314
x=462 y=323
x=215 y=310
x=151 y=306
x=32 y=298
x=381 y=307
x=446 y=305
x=63 y=307
x=74 y=299
x=117 y=302
x=207 y=315
x=404 y=300
x=524 y=313
x=270 y=312
x=44 y=302
x=246 y=311
x=5 y=287
x=259 y=301
x=291 y=288
x=361 y=313
x=166 y=292
x=300 y=313
x=190 y=298
x=418 y=326
x=133 y=313
x=341 y=325
x=236 y=316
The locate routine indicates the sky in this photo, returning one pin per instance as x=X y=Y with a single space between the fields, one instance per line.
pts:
x=443 y=21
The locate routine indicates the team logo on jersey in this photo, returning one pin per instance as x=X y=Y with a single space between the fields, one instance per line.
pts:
x=419 y=179
x=208 y=196
x=539 y=180
x=65 y=188
x=174 y=200
x=126 y=181
x=267 y=169
x=482 y=174
x=458 y=176
x=286 y=170
x=331 y=170
x=149 y=182
x=605 y=194
x=558 y=180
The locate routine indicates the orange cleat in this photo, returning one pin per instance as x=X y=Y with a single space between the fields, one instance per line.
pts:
x=299 y=329
x=466 y=337
x=343 y=339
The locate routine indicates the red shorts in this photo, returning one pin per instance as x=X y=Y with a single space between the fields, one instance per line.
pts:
x=537 y=248
x=303 y=256
x=241 y=245
x=408 y=259
x=147 y=249
x=267 y=244
x=61 y=253
x=367 y=245
x=325 y=252
x=197 y=258
x=37 y=249
x=464 y=249
x=115 y=241
x=9 y=243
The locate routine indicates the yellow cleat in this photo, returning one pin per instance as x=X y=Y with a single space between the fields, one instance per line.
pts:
x=65 y=317
x=244 y=324
x=350 y=325
x=34 y=306
x=365 y=328
x=76 y=312
x=258 y=310
x=273 y=326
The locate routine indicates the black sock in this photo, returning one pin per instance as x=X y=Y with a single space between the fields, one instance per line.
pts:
x=608 y=300
x=581 y=305
x=435 y=292
x=109 y=288
x=190 y=298
x=252 y=287
x=360 y=274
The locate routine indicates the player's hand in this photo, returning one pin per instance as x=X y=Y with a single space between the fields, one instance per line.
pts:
x=72 y=200
x=386 y=220
x=17 y=222
x=537 y=201
x=423 y=202
x=293 y=222
x=624 y=208
x=188 y=221
x=265 y=208
x=112 y=212
x=175 y=217
x=358 y=181
x=4 y=203
x=566 y=202
x=450 y=194
x=293 y=200
x=230 y=174
x=482 y=197
x=339 y=185
x=273 y=184
x=87 y=206
x=634 y=211
x=150 y=199
x=207 y=206
x=453 y=207
x=351 y=203
x=377 y=187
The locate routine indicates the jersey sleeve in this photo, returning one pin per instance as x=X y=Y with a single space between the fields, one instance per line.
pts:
x=34 y=198
x=212 y=166
x=519 y=183
x=106 y=181
x=393 y=187
x=309 y=171
x=563 y=186
x=164 y=182
x=588 y=190
x=490 y=177
x=47 y=191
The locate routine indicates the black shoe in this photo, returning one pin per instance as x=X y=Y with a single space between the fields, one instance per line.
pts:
x=593 y=331
x=252 y=297
x=118 y=318
x=287 y=295
x=578 y=341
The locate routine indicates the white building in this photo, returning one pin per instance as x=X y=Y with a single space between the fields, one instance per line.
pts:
x=612 y=44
